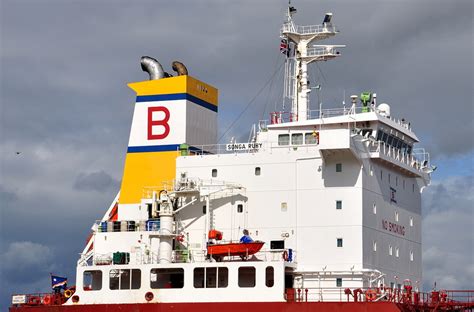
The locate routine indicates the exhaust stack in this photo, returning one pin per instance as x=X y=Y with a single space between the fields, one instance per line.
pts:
x=179 y=68
x=152 y=67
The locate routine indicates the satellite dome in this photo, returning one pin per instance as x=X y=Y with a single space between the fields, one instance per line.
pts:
x=384 y=110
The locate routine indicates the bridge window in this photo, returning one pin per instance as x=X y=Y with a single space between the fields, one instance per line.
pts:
x=338 y=204
x=297 y=138
x=284 y=139
x=338 y=167
x=214 y=173
x=167 y=278
x=338 y=282
x=339 y=242
x=92 y=280
x=240 y=208
x=269 y=276
x=246 y=277
x=124 y=279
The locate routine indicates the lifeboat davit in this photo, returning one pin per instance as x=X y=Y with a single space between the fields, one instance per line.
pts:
x=217 y=251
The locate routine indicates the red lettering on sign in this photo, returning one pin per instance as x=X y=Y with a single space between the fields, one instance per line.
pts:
x=154 y=123
x=393 y=227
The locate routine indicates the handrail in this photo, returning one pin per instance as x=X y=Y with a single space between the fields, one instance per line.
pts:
x=447 y=299
x=308 y=29
x=418 y=159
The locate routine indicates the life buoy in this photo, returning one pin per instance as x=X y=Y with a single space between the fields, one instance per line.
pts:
x=34 y=300
x=370 y=295
x=285 y=255
x=47 y=300
x=68 y=293
x=149 y=296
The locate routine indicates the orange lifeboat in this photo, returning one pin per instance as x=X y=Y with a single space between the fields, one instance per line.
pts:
x=243 y=250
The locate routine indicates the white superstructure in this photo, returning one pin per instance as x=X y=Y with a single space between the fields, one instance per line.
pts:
x=334 y=195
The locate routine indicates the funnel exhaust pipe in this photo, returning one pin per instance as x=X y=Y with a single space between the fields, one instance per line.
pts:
x=179 y=68
x=152 y=67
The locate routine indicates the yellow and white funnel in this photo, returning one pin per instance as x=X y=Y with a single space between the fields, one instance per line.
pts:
x=168 y=112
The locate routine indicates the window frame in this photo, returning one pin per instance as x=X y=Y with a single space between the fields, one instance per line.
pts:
x=297 y=138
x=282 y=142
x=123 y=284
x=239 y=277
x=171 y=273
x=91 y=288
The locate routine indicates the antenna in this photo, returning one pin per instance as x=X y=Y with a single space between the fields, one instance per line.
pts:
x=296 y=88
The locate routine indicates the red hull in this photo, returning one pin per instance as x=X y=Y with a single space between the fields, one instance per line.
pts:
x=227 y=307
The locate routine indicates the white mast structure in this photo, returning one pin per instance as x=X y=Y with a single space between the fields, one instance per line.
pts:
x=299 y=56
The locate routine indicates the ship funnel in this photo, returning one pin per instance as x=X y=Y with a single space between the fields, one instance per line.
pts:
x=152 y=67
x=179 y=68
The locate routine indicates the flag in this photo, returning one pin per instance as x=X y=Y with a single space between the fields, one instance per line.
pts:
x=58 y=282
x=284 y=46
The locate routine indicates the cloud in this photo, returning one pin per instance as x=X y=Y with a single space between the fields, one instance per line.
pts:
x=95 y=181
x=448 y=234
x=25 y=261
x=7 y=197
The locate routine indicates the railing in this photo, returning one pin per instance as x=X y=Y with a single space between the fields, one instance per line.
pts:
x=442 y=300
x=418 y=160
x=126 y=226
x=192 y=255
x=283 y=116
x=322 y=52
x=38 y=299
x=309 y=29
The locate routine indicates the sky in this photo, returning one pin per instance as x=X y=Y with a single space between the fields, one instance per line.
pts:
x=66 y=109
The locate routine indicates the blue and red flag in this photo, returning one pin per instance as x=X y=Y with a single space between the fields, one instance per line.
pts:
x=58 y=282
x=284 y=46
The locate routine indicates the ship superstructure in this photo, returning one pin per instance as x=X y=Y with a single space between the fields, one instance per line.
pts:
x=331 y=199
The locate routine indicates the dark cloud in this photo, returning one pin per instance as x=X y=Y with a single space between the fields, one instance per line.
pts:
x=20 y=259
x=95 y=181
x=448 y=234
x=65 y=105
x=7 y=197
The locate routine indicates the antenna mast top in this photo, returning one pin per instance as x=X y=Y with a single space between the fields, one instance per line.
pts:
x=299 y=56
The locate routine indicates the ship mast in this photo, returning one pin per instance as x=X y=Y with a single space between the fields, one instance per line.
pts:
x=295 y=44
